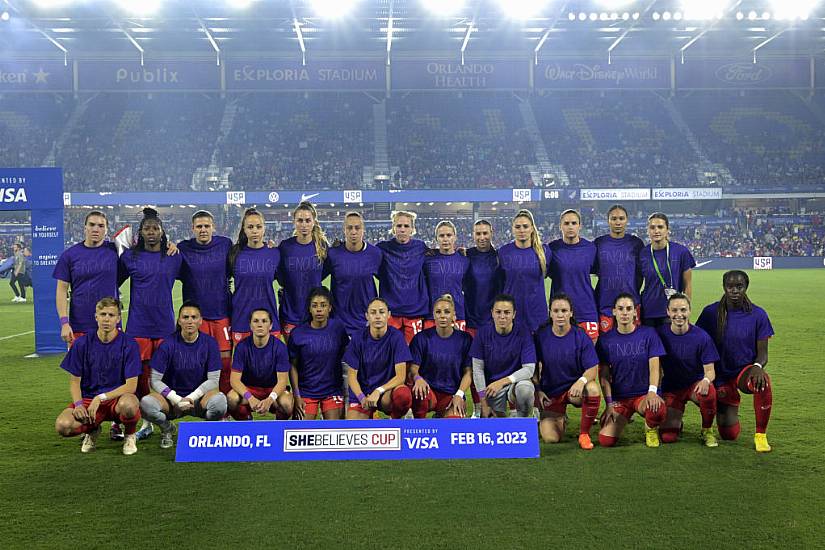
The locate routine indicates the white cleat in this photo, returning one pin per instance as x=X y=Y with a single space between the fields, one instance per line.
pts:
x=129 y=444
x=167 y=437
x=90 y=441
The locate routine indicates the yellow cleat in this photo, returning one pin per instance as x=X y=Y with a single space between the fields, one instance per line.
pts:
x=760 y=441
x=651 y=437
x=708 y=438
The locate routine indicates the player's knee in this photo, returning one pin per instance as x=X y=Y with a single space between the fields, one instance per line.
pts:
x=654 y=418
x=64 y=426
x=669 y=435
x=550 y=436
x=216 y=407
x=128 y=406
x=592 y=389
x=607 y=440
x=232 y=400
x=525 y=395
x=729 y=433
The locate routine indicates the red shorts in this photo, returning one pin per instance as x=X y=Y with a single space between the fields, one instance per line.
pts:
x=148 y=347
x=106 y=410
x=606 y=322
x=678 y=399
x=219 y=330
x=458 y=325
x=410 y=326
x=558 y=403
x=76 y=335
x=356 y=406
x=439 y=401
x=626 y=407
x=728 y=393
x=591 y=328
x=260 y=393
x=330 y=403
x=238 y=336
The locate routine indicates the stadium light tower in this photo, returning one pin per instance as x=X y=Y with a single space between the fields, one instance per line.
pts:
x=443 y=8
x=521 y=9
x=333 y=8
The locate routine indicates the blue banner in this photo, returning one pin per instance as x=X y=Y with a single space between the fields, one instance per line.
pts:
x=127 y=75
x=750 y=262
x=35 y=76
x=621 y=74
x=271 y=440
x=278 y=75
x=742 y=73
x=452 y=75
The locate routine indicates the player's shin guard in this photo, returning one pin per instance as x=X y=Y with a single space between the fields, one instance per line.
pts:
x=216 y=407
x=400 y=401
x=474 y=394
x=762 y=403
x=143 y=381
x=707 y=407
x=669 y=435
x=590 y=408
x=129 y=422
x=607 y=440
x=150 y=408
x=729 y=433
x=525 y=397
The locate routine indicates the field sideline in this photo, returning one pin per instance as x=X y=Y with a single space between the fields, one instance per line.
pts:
x=681 y=495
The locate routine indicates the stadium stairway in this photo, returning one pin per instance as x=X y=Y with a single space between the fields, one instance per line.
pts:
x=68 y=128
x=379 y=122
x=545 y=166
x=705 y=167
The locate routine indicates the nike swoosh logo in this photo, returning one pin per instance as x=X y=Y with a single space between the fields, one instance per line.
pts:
x=700 y=264
x=305 y=197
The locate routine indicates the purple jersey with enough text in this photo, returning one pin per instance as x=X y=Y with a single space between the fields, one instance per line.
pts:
x=298 y=273
x=522 y=279
x=654 y=302
x=738 y=346
x=205 y=276
x=570 y=270
x=151 y=279
x=255 y=271
x=102 y=367
x=442 y=360
x=260 y=366
x=352 y=283
x=481 y=284
x=401 y=279
x=92 y=275
x=445 y=275
x=375 y=360
x=564 y=358
x=185 y=366
x=317 y=353
x=628 y=355
x=685 y=355
x=618 y=261
x=502 y=354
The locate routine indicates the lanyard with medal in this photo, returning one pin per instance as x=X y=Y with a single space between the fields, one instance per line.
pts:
x=669 y=290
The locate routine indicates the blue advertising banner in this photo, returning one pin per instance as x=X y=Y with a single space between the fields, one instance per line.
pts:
x=128 y=75
x=450 y=75
x=40 y=190
x=278 y=75
x=271 y=440
x=34 y=76
x=621 y=74
x=742 y=73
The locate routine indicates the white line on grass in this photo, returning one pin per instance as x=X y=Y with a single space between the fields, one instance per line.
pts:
x=16 y=335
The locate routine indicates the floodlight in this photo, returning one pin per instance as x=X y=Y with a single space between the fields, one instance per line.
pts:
x=700 y=10
x=793 y=9
x=571 y=16
x=521 y=9
x=656 y=16
x=139 y=7
x=766 y=15
x=582 y=16
x=5 y=16
x=677 y=16
x=443 y=8
x=593 y=16
x=333 y=8
x=666 y=16
x=635 y=15
x=240 y=4
x=625 y=16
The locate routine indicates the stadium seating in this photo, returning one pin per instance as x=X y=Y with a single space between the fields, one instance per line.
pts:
x=29 y=126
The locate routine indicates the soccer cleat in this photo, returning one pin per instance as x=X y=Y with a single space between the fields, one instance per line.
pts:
x=90 y=441
x=651 y=437
x=760 y=441
x=145 y=430
x=708 y=438
x=167 y=437
x=130 y=444
x=584 y=442
x=476 y=412
x=116 y=432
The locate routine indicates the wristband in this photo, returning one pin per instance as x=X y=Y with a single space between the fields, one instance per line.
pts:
x=274 y=395
x=296 y=392
x=173 y=397
x=460 y=393
x=64 y=321
x=103 y=397
x=652 y=389
x=583 y=379
x=247 y=394
x=78 y=403
x=417 y=378
x=361 y=396
x=759 y=365
x=482 y=394
x=380 y=390
x=608 y=400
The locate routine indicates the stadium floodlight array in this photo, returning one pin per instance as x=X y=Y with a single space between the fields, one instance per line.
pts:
x=792 y=9
x=701 y=10
x=521 y=9
x=47 y=4
x=443 y=8
x=139 y=7
x=333 y=9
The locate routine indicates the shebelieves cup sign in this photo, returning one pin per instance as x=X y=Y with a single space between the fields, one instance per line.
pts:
x=266 y=441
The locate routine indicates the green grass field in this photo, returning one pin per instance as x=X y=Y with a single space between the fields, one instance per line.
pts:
x=681 y=495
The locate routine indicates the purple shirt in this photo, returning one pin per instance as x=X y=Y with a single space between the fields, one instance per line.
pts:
x=618 y=261
x=102 y=367
x=570 y=270
x=185 y=366
x=151 y=279
x=502 y=354
x=442 y=360
x=686 y=355
x=260 y=366
x=205 y=276
x=628 y=355
x=481 y=284
x=92 y=274
x=523 y=280
x=317 y=354
x=738 y=346
x=352 y=283
x=375 y=360
x=564 y=358
x=654 y=302
x=401 y=277
x=445 y=275
x=255 y=271
x=298 y=272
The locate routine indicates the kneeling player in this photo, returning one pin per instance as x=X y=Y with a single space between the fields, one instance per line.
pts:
x=104 y=366
x=441 y=367
x=566 y=374
x=377 y=361
x=260 y=372
x=687 y=371
x=629 y=359
x=185 y=374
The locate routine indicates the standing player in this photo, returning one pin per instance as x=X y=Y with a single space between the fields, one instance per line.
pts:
x=574 y=260
x=445 y=270
x=629 y=360
x=741 y=330
x=353 y=268
x=185 y=373
x=17 y=275
x=567 y=373
x=504 y=360
x=301 y=265
x=376 y=360
x=104 y=366
x=687 y=371
x=481 y=282
x=253 y=267
x=205 y=278
x=260 y=372
x=315 y=351
x=617 y=255
x=401 y=279
x=524 y=264
x=441 y=368
x=665 y=267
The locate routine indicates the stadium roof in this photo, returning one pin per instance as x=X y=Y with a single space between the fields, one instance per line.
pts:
x=107 y=28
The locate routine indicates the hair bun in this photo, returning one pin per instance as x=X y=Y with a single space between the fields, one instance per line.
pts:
x=149 y=212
